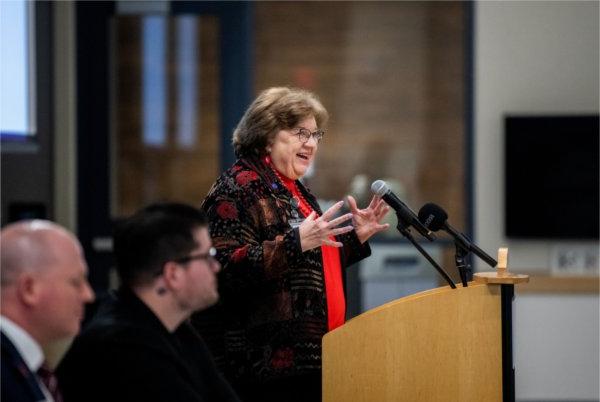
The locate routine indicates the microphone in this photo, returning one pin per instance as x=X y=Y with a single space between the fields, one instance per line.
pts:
x=380 y=188
x=435 y=218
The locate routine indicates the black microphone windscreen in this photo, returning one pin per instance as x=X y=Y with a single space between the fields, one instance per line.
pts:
x=432 y=216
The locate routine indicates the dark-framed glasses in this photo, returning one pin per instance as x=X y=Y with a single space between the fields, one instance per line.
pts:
x=305 y=134
x=210 y=256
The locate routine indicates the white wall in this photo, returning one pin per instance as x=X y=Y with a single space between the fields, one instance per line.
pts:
x=530 y=56
x=556 y=347
x=542 y=57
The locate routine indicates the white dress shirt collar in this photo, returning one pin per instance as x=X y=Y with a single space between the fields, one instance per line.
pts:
x=30 y=350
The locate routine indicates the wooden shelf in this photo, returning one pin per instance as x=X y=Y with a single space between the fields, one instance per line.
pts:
x=560 y=284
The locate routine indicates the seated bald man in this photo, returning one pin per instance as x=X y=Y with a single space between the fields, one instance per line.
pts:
x=140 y=347
x=44 y=290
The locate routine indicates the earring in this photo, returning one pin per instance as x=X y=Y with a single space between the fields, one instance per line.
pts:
x=161 y=291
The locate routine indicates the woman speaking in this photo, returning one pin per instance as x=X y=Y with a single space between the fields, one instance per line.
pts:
x=282 y=284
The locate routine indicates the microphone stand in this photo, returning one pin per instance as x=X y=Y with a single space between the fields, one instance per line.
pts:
x=463 y=242
x=463 y=248
x=403 y=227
x=462 y=265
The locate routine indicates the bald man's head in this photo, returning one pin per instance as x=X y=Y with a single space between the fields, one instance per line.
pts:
x=43 y=278
x=28 y=246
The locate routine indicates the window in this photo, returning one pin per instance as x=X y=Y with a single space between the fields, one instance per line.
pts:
x=17 y=70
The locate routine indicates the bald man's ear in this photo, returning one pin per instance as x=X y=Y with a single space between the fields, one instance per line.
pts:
x=28 y=289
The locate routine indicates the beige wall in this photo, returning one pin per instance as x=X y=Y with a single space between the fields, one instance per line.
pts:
x=542 y=57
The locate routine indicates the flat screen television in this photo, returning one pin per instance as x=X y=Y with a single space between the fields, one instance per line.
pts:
x=551 y=180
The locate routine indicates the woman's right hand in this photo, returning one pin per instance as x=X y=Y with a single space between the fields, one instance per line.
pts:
x=315 y=232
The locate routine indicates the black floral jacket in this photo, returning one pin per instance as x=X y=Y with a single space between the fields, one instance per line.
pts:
x=272 y=312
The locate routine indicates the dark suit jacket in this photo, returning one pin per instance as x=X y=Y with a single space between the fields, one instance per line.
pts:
x=126 y=354
x=18 y=384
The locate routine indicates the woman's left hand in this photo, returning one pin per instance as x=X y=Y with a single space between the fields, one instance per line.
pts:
x=366 y=221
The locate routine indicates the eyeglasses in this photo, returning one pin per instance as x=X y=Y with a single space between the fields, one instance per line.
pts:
x=305 y=134
x=210 y=256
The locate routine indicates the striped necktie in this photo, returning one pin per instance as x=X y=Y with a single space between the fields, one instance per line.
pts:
x=49 y=380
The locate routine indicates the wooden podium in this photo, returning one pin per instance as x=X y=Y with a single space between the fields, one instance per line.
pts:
x=439 y=345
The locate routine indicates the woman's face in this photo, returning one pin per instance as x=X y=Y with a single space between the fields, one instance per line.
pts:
x=289 y=154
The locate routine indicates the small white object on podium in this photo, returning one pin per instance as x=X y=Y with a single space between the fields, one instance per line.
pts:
x=501 y=276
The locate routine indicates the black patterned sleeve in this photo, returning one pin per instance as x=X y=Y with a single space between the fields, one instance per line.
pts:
x=353 y=251
x=246 y=258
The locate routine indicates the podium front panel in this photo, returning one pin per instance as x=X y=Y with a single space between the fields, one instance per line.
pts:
x=437 y=345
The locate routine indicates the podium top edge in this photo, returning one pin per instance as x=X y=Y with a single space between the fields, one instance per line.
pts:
x=494 y=278
x=412 y=297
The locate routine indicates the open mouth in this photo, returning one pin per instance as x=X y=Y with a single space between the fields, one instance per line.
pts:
x=302 y=156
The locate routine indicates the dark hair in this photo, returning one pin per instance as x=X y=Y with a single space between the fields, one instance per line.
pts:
x=275 y=109
x=151 y=237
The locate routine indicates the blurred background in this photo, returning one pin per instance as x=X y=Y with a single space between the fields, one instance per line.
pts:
x=487 y=108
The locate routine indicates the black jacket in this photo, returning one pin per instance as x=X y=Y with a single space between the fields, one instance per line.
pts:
x=18 y=383
x=272 y=312
x=126 y=354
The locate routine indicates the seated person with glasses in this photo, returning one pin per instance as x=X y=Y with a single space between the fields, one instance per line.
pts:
x=139 y=346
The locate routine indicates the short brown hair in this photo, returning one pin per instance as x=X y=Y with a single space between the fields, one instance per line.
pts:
x=275 y=109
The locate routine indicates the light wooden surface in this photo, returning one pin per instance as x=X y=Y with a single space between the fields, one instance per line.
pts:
x=561 y=284
x=500 y=277
x=437 y=345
